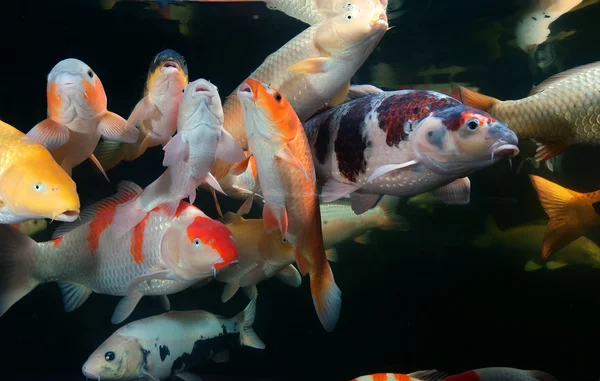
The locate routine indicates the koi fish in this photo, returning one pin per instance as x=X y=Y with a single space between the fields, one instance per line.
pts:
x=422 y=375
x=403 y=143
x=31 y=227
x=32 y=184
x=77 y=116
x=287 y=179
x=161 y=256
x=545 y=117
x=169 y=344
x=501 y=373
x=570 y=214
x=189 y=155
x=155 y=115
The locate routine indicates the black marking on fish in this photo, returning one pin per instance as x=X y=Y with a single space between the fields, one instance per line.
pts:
x=349 y=144
x=547 y=16
x=202 y=351
x=224 y=329
x=596 y=207
x=164 y=352
x=534 y=19
x=323 y=135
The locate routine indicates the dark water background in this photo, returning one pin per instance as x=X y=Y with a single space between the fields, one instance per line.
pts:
x=414 y=300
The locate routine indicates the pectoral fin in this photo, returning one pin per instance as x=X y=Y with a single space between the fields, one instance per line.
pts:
x=210 y=179
x=49 y=134
x=176 y=150
x=159 y=275
x=457 y=192
x=334 y=190
x=290 y=276
x=142 y=111
x=311 y=66
x=126 y=307
x=340 y=96
x=275 y=216
x=95 y=161
x=228 y=149
x=361 y=202
x=288 y=156
x=114 y=127
x=390 y=167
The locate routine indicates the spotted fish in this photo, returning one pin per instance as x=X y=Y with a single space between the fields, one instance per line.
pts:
x=403 y=143
x=169 y=344
x=162 y=255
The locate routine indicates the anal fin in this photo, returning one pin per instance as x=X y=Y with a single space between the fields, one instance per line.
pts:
x=74 y=295
x=125 y=307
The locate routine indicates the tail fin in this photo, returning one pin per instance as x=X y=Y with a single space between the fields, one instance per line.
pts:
x=248 y=337
x=557 y=202
x=490 y=233
x=16 y=266
x=428 y=375
x=110 y=153
x=476 y=100
x=392 y=220
x=327 y=297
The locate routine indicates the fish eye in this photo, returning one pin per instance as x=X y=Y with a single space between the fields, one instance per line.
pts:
x=197 y=242
x=109 y=356
x=38 y=187
x=348 y=17
x=183 y=90
x=472 y=124
x=90 y=73
x=278 y=97
x=284 y=240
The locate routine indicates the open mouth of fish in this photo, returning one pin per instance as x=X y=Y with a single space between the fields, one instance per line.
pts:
x=170 y=64
x=245 y=90
x=68 y=216
x=505 y=151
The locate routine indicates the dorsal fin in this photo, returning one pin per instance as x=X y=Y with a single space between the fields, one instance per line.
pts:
x=560 y=76
x=231 y=217
x=428 y=375
x=126 y=190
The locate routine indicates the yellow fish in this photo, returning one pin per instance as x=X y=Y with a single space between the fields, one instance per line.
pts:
x=32 y=184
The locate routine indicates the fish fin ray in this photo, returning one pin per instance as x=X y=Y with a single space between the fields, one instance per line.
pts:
x=74 y=295
x=229 y=291
x=114 y=127
x=334 y=190
x=361 y=202
x=547 y=149
x=125 y=307
x=457 y=192
x=390 y=167
x=340 y=96
x=248 y=337
x=311 y=66
x=143 y=110
x=228 y=149
x=109 y=153
x=476 y=100
x=290 y=276
x=176 y=151
x=288 y=156
x=327 y=297
x=48 y=133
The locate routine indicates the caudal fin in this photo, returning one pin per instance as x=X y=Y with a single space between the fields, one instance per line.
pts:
x=428 y=375
x=327 y=297
x=490 y=233
x=110 y=153
x=392 y=220
x=16 y=266
x=557 y=202
x=476 y=100
x=248 y=337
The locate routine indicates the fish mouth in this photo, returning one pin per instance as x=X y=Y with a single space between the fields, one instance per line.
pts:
x=202 y=90
x=68 y=216
x=380 y=19
x=245 y=91
x=505 y=151
x=89 y=375
x=170 y=64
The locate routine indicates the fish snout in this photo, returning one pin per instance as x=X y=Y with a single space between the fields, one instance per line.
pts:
x=170 y=64
x=506 y=142
x=87 y=373
x=245 y=91
x=67 y=80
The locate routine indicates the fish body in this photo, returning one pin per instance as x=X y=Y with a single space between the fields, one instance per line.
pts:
x=32 y=184
x=161 y=256
x=155 y=115
x=77 y=116
x=288 y=183
x=528 y=239
x=561 y=111
x=501 y=374
x=422 y=375
x=169 y=344
x=313 y=68
x=189 y=156
x=570 y=214
x=31 y=227
x=403 y=143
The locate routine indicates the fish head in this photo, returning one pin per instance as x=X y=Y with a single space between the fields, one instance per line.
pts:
x=267 y=112
x=460 y=140
x=31 y=227
x=40 y=188
x=117 y=358
x=74 y=90
x=360 y=22
x=167 y=65
x=274 y=246
x=200 y=104
x=197 y=244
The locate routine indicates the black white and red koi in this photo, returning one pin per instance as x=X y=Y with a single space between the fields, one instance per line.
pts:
x=403 y=143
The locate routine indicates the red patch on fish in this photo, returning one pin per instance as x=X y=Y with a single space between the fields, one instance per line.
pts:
x=214 y=234
x=57 y=241
x=465 y=376
x=137 y=241
x=181 y=208
x=97 y=226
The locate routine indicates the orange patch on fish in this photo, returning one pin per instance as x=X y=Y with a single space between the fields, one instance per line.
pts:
x=137 y=241
x=401 y=377
x=207 y=231
x=95 y=95
x=57 y=241
x=181 y=208
x=54 y=101
x=16 y=226
x=252 y=163
x=379 y=377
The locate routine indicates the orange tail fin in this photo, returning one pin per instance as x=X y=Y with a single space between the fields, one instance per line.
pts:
x=474 y=99
x=557 y=202
x=327 y=297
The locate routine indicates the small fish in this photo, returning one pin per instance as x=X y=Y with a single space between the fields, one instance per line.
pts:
x=545 y=117
x=315 y=67
x=169 y=344
x=501 y=373
x=155 y=115
x=532 y=28
x=570 y=213
x=32 y=184
x=161 y=256
x=422 y=375
x=287 y=180
x=528 y=239
x=189 y=156
x=31 y=227
x=403 y=143
x=261 y=256
x=77 y=116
